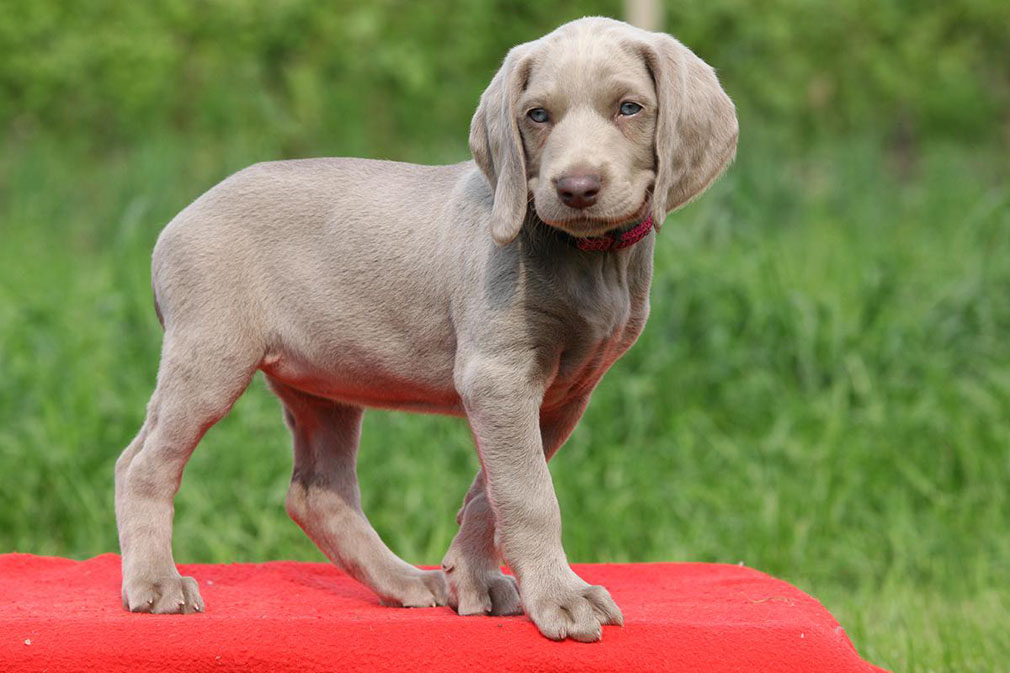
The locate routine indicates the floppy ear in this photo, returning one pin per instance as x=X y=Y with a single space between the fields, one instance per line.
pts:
x=696 y=128
x=497 y=146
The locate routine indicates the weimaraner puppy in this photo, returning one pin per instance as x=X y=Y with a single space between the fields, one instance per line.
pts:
x=499 y=289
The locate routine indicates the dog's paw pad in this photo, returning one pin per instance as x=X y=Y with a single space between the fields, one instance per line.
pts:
x=491 y=593
x=425 y=589
x=165 y=595
x=576 y=613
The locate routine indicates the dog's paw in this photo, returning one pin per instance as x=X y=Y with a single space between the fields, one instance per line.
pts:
x=573 y=610
x=423 y=589
x=173 y=594
x=488 y=593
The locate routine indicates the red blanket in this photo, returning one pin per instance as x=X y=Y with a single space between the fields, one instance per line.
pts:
x=62 y=615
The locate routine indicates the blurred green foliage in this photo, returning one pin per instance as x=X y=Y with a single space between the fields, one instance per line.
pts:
x=319 y=75
x=823 y=389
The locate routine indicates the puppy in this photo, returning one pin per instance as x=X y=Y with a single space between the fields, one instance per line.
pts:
x=499 y=289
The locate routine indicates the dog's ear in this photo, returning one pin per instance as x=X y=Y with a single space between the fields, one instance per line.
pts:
x=696 y=128
x=497 y=146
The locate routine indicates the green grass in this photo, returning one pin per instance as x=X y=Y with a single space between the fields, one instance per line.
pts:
x=822 y=392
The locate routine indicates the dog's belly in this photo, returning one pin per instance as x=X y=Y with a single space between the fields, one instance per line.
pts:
x=409 y=378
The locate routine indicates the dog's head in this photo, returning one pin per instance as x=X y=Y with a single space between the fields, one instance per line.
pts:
x=603 y=124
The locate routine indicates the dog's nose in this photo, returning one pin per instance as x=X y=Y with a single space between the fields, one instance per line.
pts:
x=578 y=190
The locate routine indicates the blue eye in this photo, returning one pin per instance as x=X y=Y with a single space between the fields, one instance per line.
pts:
x=538 y=114
x=629 y=108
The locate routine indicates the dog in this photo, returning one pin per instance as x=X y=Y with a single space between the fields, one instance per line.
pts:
x=500 y=289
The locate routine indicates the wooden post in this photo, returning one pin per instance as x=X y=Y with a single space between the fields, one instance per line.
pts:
x=647 y=14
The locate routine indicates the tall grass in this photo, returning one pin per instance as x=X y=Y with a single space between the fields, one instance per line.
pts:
x=822 y=392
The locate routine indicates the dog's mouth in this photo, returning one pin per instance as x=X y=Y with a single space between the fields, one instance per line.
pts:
x=582 y=226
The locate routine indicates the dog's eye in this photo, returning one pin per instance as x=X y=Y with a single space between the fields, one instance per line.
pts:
x=538 y=114
x=628 y=108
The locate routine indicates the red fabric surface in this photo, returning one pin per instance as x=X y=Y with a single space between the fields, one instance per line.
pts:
x=63 y=615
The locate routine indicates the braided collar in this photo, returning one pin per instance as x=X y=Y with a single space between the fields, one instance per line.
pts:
x=616 y=239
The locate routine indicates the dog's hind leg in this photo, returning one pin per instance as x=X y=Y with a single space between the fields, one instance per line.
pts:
x=199 y=379
x=325 y=500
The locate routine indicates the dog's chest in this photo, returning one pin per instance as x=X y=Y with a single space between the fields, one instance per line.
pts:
x=602 y=316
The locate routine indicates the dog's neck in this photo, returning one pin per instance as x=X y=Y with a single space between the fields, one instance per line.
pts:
x=573 y=281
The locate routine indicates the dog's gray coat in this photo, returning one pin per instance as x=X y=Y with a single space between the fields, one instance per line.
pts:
x=445 y=289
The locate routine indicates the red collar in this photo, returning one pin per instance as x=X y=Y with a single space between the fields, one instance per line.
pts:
x=614 y=240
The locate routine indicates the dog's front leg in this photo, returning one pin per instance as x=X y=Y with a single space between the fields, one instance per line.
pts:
x=471 y=564
x=503 y=408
